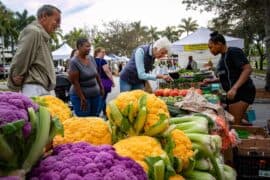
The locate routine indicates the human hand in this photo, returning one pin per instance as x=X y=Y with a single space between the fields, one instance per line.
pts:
x=231 y=93
x=83 y=104
x=207 y=81
x=167 y=78
x=102 y=92
x=17 y=80
x=113 y=84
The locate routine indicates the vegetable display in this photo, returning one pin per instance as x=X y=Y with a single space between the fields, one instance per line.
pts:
x=148 y=152
x=90 y=129
x=83 y=161
x=25 y=129
x=135 y=113
x=179 y=149
x=56 y=106
x=208 y=162
x=139 y=141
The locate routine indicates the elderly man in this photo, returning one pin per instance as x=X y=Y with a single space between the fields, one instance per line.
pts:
x=32 y=68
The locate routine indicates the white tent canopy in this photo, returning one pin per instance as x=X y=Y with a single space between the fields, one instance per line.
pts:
x=196 y=45
x=62 y=53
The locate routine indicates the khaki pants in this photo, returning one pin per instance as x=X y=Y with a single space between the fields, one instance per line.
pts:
x=32 y=90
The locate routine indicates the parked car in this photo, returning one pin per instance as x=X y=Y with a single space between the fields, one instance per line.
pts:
x=4 y=70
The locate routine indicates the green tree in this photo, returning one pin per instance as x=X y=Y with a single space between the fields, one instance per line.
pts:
x=72 y=37
x=22 y=19
x=56 y=38
x=153 y=33
x=171 y=33
x=233 y=9
x=223 y=26
x=188 y=25
x=140 y=32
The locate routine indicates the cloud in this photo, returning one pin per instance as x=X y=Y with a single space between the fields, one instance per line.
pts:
x=81 y=13
x=66 y=6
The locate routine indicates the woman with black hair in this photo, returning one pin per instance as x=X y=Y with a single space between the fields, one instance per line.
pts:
x=233 y=72
x=86 y=89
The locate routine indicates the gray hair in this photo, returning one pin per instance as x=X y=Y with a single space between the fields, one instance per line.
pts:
x=163 y=43
x=46 y=10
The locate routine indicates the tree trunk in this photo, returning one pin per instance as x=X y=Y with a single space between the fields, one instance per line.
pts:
x=267 y=42
x=261 y=55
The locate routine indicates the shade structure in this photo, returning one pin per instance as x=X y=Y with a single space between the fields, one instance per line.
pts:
x=196 y=45
x=62 y=53
x=198 y=40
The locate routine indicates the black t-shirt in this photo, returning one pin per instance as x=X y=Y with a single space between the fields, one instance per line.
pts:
x=230 y=67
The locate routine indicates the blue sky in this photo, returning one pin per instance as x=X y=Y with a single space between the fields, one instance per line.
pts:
x=87 y=13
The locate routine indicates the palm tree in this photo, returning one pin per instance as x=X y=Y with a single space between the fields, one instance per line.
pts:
x=188 y=25
x=139 y=31
x=56 y=37
x=74 y=35
x=221 y=25
x=23 y=19
x=171 y=33
x=153 y=33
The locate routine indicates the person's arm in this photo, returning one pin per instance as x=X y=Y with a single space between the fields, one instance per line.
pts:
x=100 y=85
x=28 y=45
x=108 y=72
x=74 y=76
x=139 y=60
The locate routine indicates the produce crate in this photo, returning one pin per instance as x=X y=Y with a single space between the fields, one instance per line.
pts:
x=177 y=85
x=252 y=159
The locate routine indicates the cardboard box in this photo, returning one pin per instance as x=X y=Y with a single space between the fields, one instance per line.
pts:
x=254 y=130
x=259 y=144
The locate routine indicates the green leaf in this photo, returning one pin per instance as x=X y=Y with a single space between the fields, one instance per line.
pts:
x=159 y=170
x=42 y=136
x=6 y=152
x=10 y=128
x=56 y=128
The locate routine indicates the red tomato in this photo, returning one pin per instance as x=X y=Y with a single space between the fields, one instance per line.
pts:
x=199 y=91
x=166 y=92
x=159 y=92
x=174 y=92
x=183 y=92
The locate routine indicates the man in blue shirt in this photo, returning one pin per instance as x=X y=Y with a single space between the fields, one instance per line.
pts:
x=136 y=72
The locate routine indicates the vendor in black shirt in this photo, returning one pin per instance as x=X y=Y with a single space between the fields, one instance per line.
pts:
x=233 y=72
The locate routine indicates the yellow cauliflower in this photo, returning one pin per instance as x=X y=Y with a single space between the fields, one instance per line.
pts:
x=139 y=111
x=155 y=107
x=177 y=177
x=56 y=107
x=124 y=99
x=138 y=148
x=183 y=146
x=92 y=130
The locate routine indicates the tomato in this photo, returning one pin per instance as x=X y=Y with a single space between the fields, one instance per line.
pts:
x=159 y=92
x=199 y=91
x=174 y=92
x=166 y=92
x=183 y=92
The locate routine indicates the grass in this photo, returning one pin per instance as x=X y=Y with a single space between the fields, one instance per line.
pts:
x=257 y=71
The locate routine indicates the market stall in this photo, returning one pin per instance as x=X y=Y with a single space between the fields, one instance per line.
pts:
x=147 y=136
x=196 y=45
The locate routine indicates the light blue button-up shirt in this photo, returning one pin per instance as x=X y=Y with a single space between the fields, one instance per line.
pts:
x=139 y=60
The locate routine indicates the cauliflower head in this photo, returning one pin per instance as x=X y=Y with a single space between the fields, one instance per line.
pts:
x=92 y=130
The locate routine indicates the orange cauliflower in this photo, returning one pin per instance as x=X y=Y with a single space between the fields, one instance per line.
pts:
x=92 y=130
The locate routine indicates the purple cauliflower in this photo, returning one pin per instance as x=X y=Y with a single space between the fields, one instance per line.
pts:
x=82 y=161
x=14 y=106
